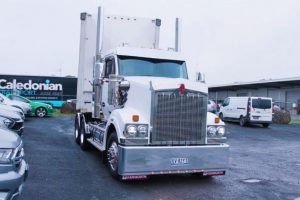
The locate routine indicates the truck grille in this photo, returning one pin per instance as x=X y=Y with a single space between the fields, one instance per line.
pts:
x=178 y=119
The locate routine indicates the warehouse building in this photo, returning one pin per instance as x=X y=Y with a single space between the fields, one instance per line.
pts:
x=284 y=92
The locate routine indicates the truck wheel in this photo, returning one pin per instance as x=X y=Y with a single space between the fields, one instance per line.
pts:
x=76 y=131
x=84 y=144
x=265 y=125
x=112 y=155
x=242 y=121
x=40 y=112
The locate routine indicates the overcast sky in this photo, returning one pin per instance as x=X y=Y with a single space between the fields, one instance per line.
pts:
x=230 y=41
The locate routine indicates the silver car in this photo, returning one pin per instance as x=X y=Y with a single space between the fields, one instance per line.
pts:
x=25 y=107
x=13 y=168
x=8 y=108
x=12 y=121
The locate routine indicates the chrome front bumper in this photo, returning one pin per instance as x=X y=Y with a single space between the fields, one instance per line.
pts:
x=150 y=160
x=11 y=183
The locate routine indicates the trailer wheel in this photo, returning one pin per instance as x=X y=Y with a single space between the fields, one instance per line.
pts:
x=242 y=121
x=112 y=155
x=84 y=144
x=76 y=131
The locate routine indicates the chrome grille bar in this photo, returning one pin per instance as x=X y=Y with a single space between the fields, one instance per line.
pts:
x=178 y=119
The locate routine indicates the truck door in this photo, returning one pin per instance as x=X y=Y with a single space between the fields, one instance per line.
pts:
x=109 y=68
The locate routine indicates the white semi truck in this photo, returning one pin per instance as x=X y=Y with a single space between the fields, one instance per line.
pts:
x=137 y=105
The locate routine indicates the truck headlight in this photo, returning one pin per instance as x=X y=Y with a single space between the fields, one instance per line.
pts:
x=5 y=156
x=215 y=131
x=131 y=130
x=221 y=131
x=136 y=130
x=143 y=130
x=211 y=131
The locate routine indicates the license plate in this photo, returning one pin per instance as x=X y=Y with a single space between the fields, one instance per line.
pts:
x=255 y=117
x=179 y=161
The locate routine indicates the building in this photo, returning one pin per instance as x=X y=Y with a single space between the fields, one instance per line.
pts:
x=285 y=92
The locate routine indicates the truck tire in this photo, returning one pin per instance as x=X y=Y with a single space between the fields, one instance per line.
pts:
x=242 y=121
x=112 y=155
x=76 y=131
x=84 y=144
x=265 y=125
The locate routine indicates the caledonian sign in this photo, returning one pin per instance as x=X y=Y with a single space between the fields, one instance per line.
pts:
x=52 y=90
x=14 y=85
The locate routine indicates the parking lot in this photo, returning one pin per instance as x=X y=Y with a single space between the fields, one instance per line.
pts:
x=264 y=164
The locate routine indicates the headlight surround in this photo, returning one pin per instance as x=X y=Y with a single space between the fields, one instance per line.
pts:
x=5 y=156
x=8 y=122
x=211 y=131
x=215 y=131
x=221 y=131
x=136 y=131
x=131 y=130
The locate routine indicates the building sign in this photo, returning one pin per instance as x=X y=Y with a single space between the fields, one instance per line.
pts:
x=52 y=90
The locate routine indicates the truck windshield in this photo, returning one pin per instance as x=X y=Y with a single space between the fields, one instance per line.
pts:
x=136 y=66
x=261 y=103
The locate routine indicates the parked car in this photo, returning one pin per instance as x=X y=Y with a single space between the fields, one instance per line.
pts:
x=25 y=107
x=13 y=168
x=211 y=106
x=38 y=109
x=254 y=110
x=12 y=121
x=4 y=108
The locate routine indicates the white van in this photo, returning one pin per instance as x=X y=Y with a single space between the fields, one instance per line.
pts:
x=255 y=110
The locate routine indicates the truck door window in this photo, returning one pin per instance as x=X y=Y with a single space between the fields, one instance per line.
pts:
x=109 y=67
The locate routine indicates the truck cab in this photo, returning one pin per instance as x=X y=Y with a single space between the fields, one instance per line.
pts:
x=142 y=111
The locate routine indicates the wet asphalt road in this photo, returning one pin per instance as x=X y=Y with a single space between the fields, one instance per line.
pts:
x=60 y=170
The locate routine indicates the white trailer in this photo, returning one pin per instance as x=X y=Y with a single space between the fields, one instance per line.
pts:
x=137 y=105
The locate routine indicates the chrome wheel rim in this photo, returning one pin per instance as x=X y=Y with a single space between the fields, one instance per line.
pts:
x=76 y=132
x=81 y=138
x=112 y=155
x=41 y=112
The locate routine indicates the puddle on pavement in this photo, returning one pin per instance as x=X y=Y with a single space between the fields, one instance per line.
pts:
x=252 y=180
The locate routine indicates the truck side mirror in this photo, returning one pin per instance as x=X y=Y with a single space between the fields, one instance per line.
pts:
x=200 y=77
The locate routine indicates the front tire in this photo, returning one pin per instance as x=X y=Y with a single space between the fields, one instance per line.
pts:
x=242 y=121
x=40 y=112
x=113 y=155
